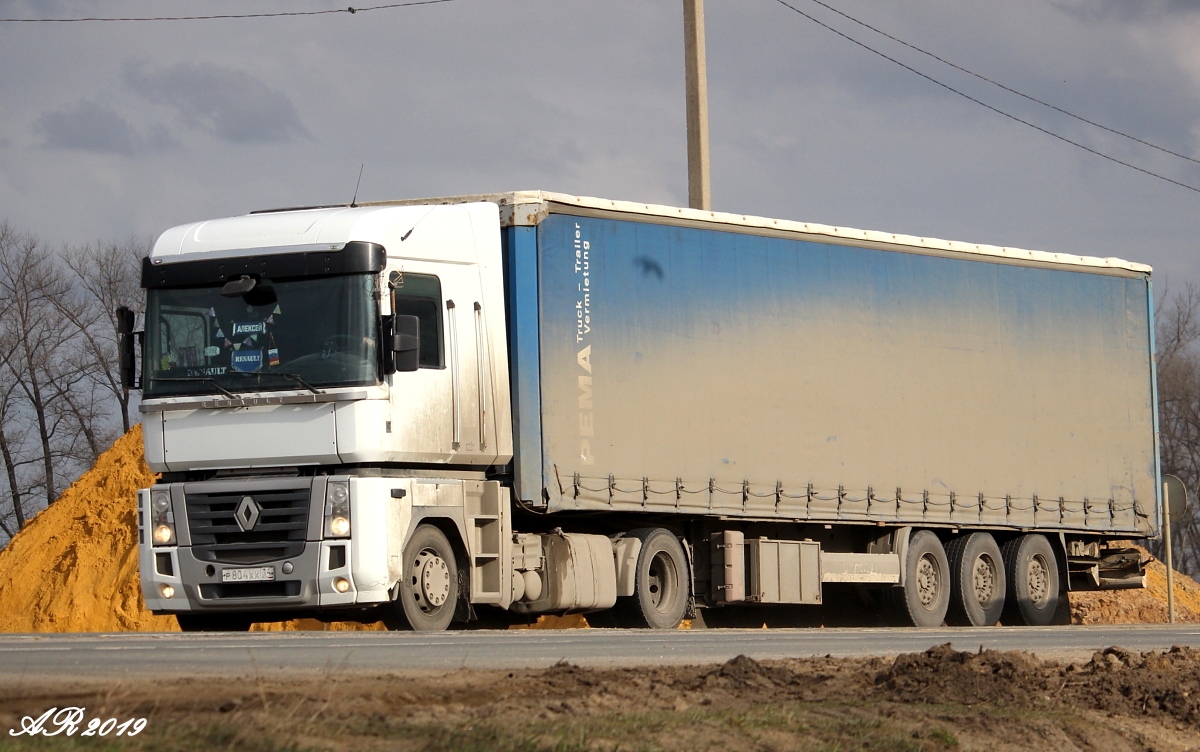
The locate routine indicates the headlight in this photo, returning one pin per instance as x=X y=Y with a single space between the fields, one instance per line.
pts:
x=337 y=509
x=338 y=492
x=160 y=501
x=161 y=517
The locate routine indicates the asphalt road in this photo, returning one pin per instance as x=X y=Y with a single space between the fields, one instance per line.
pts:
x=31 y=657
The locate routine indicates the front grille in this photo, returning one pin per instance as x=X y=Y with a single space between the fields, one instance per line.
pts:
x=250 y=590
x=279 y=530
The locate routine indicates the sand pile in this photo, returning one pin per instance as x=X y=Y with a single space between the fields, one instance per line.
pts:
x=74 y=567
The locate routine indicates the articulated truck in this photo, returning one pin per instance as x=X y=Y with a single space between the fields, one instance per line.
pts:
x=468 y=410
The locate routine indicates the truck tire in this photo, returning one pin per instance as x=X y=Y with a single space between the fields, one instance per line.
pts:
x=925 y=596
x=661 y=585
x=427 y=595
x=1033 y=581
x=977 y=581
x=213 y=623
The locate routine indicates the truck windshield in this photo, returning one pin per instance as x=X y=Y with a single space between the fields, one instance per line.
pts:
x=283 y=334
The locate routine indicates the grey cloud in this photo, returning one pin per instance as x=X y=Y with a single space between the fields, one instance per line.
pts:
x=1126 y=10
x=232 y=105
x=91 y=126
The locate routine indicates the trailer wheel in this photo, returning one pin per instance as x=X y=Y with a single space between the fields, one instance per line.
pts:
x=1033 y=591
x=660 y=587
x=213 y=623
x=925 y=596
x=428 y=591
x=977 y=581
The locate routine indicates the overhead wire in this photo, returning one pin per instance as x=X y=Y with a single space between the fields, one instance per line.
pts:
x=278 y=14
x=981 y=103
x=1009 y=89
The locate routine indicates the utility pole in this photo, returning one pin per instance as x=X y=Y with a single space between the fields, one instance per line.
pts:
x=1174 y=504
x=1166 y=514
x=699 y=187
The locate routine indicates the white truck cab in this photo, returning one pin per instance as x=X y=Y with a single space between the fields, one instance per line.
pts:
x=274 y=410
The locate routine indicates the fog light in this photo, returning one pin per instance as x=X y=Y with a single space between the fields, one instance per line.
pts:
x=167 y=591
x=341 y=584
x=163 y=535
x=339 y=526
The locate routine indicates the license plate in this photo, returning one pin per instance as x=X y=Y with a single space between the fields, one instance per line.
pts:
x=250 y=574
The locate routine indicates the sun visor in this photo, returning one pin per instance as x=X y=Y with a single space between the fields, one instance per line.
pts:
x=356 y=257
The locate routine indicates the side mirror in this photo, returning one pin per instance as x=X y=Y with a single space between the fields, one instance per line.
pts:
x=126 y=359
x=406 y=343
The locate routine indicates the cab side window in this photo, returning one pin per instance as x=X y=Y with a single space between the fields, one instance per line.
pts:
x=420 y=295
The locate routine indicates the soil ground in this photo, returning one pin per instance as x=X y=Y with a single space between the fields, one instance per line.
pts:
x=937 y=700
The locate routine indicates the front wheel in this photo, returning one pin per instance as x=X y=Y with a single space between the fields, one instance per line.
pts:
x=427 y=594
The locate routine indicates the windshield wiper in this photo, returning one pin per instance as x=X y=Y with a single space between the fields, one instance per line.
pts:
x=209 y=379
x=297 y=378
x=293 y=376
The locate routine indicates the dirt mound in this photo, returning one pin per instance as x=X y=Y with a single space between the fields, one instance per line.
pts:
x=1115 y=680
x=941 y=674
x=744 y=672
x=74 y=567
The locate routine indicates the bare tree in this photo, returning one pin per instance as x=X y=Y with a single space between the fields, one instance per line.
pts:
x=60 y=389
x=31 y=283
x=106 y=276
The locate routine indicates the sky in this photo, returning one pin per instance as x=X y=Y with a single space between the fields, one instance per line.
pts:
x=118 y=130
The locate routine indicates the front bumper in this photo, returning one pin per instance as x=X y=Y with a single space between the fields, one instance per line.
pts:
x=199 y=585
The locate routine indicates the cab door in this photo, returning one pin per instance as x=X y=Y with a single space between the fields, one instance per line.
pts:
x=446 y=406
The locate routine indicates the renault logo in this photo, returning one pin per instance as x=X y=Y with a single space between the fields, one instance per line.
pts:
x=247 y=513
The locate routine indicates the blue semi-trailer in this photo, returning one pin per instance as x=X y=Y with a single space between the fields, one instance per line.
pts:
x=465 y=408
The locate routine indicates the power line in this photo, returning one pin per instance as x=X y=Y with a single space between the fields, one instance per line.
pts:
x=351 y=10
x=1009 y=89
x=968 y=97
